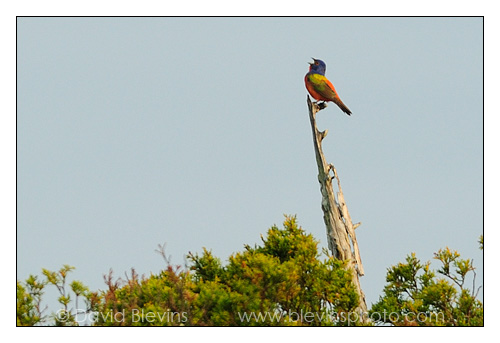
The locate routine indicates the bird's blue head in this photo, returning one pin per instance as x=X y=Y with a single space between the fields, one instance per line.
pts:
x=317 y=67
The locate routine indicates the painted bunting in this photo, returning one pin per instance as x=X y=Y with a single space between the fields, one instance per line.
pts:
x=320 y=88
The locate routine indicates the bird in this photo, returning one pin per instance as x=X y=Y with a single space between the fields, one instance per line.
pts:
x=320 y=88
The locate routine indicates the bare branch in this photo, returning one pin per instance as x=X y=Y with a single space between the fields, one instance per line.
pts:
x=339 y=227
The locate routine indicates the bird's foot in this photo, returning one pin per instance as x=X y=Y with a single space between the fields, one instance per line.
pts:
x=321 y=105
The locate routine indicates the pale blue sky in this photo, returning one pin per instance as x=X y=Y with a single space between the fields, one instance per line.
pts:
x=137 y=131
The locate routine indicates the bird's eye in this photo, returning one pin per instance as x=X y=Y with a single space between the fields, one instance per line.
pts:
x=316 y=62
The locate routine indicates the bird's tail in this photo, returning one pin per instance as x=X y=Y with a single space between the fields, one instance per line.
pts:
x=342 y=106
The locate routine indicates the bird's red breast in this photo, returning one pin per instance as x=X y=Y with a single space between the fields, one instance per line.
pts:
x=320 y=87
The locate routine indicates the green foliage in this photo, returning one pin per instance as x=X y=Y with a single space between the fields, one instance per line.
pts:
x=281 y=282
x=414 y=296
x=158 y=300
x=29 y=297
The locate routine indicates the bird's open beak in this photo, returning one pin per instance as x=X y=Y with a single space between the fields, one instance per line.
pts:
x=313 y=60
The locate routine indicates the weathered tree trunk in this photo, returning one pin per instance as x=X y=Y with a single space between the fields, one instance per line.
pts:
x=339 y=227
